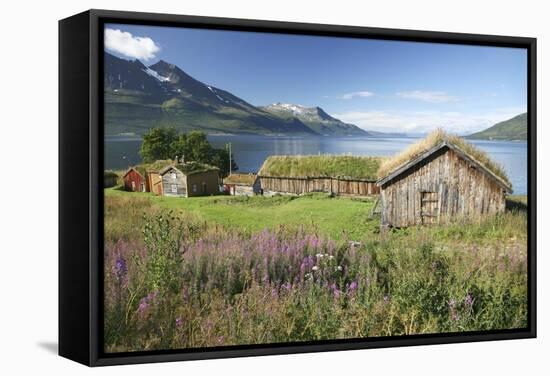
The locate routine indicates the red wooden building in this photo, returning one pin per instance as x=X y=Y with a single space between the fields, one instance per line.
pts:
x=135 y=179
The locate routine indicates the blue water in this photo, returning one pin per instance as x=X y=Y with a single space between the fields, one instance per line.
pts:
x=249 y=152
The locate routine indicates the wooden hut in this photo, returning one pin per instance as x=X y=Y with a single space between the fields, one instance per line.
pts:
x=242 y=185
x=153 y=178
x=190 y=179
x=440 y=179
x=134 y=179
x=335 y=174
x=110 y=179
x=145 y=177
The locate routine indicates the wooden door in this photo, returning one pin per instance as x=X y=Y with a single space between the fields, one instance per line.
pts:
x=429 y=207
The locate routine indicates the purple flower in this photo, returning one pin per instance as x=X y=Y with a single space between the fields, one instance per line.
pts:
x=145 y=303
x=120 y=269
x=469 y=300
x=179 y=322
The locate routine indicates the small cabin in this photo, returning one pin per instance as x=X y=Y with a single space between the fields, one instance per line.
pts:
x=145 y=177
x=110 y=179
x=190 y=179
x=242 y=185
x=438 y=180
x=154 y=180
x=335 y=174
x=135 y=179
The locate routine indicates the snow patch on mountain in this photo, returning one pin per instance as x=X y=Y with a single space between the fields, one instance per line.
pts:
x=154 y=74
x=216 y=94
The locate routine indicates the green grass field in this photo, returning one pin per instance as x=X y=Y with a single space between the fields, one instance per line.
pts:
x=333 y=216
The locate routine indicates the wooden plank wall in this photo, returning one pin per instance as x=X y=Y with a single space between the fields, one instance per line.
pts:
x=319 y=184
x=462 y=191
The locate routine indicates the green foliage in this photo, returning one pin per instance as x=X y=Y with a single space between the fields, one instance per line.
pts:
x=166 y=143
x=158 y=143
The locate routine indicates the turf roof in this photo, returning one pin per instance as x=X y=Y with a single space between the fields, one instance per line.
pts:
x=243 y=179
x=336 y=166
x=438 y=137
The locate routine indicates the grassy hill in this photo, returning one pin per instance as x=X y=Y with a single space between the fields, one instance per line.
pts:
x=511 y=129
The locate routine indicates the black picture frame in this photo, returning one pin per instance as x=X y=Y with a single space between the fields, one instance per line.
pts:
x=81 y=163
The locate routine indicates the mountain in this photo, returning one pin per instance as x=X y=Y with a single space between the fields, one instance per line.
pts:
x=316 y=119
x=138 y=97
x=511 y=129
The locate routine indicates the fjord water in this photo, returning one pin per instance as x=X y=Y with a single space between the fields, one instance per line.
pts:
x=250 y=151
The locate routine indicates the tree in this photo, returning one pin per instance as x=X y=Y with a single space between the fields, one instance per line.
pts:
x=158 y=143
x=198 y=147
x=167 y=143
x=220 y=159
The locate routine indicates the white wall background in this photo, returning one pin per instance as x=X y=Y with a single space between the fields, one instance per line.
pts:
x=28 y=212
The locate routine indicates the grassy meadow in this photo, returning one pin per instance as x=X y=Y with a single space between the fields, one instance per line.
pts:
x=225 y=270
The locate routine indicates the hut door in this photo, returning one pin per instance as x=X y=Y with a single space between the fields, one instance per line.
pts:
x=429 y=207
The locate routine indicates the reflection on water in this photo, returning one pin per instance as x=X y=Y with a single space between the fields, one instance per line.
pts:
x=250 y=151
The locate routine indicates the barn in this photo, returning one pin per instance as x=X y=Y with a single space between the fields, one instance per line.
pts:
x=190 y=179
x=335 y=174
x=440 y=179
x=242 y=184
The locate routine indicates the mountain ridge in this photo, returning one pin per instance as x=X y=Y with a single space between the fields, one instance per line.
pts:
x=138 y=97
x=513 y=129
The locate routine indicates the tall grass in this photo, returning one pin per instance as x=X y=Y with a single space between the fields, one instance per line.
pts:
x=185 y=284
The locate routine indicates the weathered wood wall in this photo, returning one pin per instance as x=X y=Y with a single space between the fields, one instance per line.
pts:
x=203 y=184
x=318 y=184
x=154 y=183
x=439 y=189
x=174 y=183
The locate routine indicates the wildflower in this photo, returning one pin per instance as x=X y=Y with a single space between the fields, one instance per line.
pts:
x=120 y=269
x=452 y=303
x=331 y=257
x=315 y=268
x=319 y=255
x=335 y=290
x=179 y=322
x=353 y=286
x=339 y=268
x=469 y=300
x=386 y=299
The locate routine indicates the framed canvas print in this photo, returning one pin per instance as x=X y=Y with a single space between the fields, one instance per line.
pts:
x=239 y=187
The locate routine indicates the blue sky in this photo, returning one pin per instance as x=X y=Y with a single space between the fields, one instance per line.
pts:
x=378 y=85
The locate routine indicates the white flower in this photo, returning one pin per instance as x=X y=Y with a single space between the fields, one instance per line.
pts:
x=319 y=255
x=339 y=268
x=331 y=257
x=315 y=268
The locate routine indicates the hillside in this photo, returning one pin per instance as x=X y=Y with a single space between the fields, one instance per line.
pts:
x=511 y=129
x=316 y=119
x=138 y=98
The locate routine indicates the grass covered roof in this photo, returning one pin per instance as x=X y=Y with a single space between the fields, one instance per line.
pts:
x=336 y=166
x=191 y=168
x=109 y=174
x=242 y=179
x=434 y=139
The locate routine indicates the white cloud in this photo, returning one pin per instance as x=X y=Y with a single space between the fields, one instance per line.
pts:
x=124 y=43
x=362 y=94
x=426 y=121
x=427 y=96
